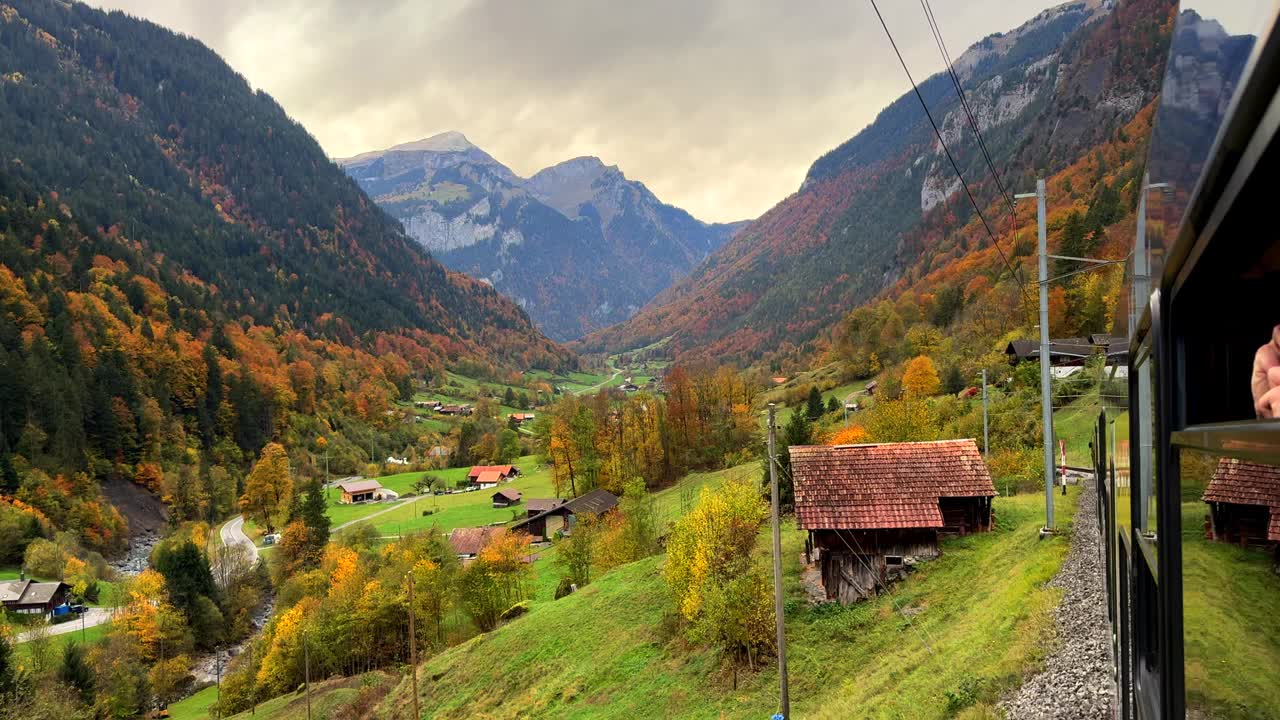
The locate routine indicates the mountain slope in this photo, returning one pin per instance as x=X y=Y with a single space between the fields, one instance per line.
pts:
x=868 y=210
x=578 y=245
x=184 y=277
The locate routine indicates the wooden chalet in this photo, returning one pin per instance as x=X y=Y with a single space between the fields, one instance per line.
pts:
x=562 y=517
x=27 y=597
x=358 y=491
x=506 y=497
x=873 y=510
x=468 y=542
x=522 y=418
x=487 y=476
x=1244 y=503
x=1071 y=352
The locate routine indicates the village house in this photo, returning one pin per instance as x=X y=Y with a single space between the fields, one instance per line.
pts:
x=521 y=418
x=358 y=491
x=561 y=516
x=468 y=542
x=506 y=497
x=1244 y=503
x=871 y=511
x=488 y=476
x=394 y=460
x=438 y=451
x=27 y=597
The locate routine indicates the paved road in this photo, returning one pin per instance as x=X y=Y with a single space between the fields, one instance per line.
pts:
x=92 y=618
x=233 y=534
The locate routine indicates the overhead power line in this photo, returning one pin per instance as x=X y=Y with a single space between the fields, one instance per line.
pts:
x=964 y=101
x=950 y=158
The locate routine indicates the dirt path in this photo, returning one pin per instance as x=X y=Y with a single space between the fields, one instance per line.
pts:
x=601 y=384
x=1076 y=681
x=396 y=506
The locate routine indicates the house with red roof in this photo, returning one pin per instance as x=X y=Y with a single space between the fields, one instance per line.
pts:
x=872 y=511
x=1244 y=503
x=488 y=476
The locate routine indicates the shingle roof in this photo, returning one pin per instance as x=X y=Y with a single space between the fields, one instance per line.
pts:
x=359 y=486
x=40 y=593
x=537 y=505
x=470 y=541
x=595 y=502
x=12 y=590
x=1247 y=483
x=488 y=477
x=886 y=485
x=509 y=493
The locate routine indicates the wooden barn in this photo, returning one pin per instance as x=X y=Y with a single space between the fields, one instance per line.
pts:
x=1244 y=503
x=561 y=517
x=506 y=497
x=873 y=510
x=468 y=542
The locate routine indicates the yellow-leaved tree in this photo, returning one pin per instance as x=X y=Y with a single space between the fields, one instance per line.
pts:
x=716 y=588
x=920 y=379
x=268 y=489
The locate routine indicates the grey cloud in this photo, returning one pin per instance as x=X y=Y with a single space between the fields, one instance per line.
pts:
x=719 y=105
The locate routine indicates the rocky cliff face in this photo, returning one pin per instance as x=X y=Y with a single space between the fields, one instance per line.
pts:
x=873 y=209
x=578 y=245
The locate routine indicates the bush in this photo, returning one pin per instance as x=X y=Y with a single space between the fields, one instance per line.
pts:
x=564 y=588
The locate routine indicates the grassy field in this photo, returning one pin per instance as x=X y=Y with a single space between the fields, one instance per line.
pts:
x=1232 y=625
x=980 y=618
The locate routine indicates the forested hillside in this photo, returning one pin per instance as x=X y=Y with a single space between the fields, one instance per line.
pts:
x=884 y=210
x=578 y=245
x=184 y=276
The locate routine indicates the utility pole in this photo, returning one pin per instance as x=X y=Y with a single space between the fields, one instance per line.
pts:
x=1046 y=401
x=985 y=433
x=413 y=651
x=785 y=699
x=306 y=664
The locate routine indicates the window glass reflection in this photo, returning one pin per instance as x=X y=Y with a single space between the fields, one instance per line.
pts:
x=1231 y=589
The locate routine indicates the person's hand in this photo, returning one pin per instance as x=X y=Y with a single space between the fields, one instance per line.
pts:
x=1266 y=377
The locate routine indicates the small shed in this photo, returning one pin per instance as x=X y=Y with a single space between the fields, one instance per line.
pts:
x=562 y=517
x=506 y=497
x=873 y=510
x=27 y=597
x=1244 y=503
x=468 y=542
x=358 y=491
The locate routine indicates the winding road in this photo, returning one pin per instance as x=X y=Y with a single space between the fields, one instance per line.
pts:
x=233 y=534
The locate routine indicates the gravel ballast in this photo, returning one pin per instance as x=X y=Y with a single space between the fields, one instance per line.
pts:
x=1076 y=683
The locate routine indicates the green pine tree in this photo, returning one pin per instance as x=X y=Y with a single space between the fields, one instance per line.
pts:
x=814 y=408
x=75 y=671
x=314 y=515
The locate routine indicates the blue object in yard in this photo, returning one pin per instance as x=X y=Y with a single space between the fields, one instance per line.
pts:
x=778 y=716
x=61 y=610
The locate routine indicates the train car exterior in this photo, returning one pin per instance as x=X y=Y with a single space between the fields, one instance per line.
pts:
x=1189 y=475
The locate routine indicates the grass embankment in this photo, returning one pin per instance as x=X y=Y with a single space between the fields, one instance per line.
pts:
x=328 y=697
x=980 y=617
x=1231 y=602
x=1075 y=423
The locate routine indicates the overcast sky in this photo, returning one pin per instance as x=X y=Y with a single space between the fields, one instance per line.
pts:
x=719 y=106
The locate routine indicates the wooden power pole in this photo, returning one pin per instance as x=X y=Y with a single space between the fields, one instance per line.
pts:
x=413 y=651
x=785 y=691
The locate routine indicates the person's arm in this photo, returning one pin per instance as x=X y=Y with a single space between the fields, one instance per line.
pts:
x=1266 y=377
